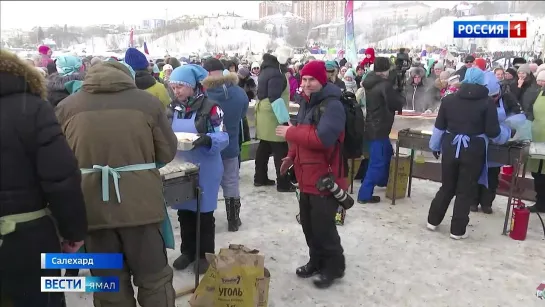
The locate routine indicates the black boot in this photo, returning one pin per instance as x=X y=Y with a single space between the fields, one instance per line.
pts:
x=232 y=224
x=237 y=211
x=324 y=280
x=188 y=232
x=183 y=261
x=308 y=270
x=203 y=265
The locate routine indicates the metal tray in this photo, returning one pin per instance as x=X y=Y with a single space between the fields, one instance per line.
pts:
x=180 y=187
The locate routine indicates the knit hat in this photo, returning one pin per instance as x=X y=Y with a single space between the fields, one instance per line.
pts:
x=255 y=65
x=525 y=68
x=541 y=76
x=469 y=59
x=43 y=49
x=67 y=64
x=511 y=71
x=481 y=63
x=439 y=65
x=492 y=83
x=188 y=75
x=213 y=64
x=167 y=67
x=331 y=65
x=243 y=72
x=474 y=76
x=317 y=70
x=349 y=73
x=136 y=59
x=382 y=64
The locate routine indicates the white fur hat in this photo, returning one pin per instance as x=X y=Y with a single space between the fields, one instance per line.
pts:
x=283 y=54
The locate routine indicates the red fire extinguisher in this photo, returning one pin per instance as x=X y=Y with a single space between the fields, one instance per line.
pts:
x=519 y=221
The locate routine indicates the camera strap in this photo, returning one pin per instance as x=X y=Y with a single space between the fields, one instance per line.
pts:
x=332 y=157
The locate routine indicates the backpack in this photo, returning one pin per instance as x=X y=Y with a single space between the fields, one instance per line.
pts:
x=354 y=127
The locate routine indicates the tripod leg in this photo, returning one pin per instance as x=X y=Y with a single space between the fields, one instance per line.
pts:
x=198 y=237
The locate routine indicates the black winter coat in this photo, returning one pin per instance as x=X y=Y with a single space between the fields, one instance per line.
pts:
x=382 y=101
x=38 y=169
x=469 y=111
x=271 y=82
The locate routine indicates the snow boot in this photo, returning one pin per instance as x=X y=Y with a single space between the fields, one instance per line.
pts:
x=237 y=211
x=203 y=266
x=230 y=209
x=183 y=261
x=308 y=270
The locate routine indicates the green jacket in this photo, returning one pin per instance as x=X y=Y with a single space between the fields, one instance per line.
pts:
x=538 y=131
x=265 y=120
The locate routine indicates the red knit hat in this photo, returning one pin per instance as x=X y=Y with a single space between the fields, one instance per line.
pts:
x=315 y=69
x=481 y=63
x=43 y=49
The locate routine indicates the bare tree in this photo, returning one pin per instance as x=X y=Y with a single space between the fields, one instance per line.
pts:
x=296 y=34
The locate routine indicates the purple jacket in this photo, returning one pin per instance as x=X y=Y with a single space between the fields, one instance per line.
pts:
x=293 y=86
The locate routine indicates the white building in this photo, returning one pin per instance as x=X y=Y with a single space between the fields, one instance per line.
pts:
x=224 y=21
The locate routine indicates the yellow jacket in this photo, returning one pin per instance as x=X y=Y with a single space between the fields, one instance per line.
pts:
x=158 y=90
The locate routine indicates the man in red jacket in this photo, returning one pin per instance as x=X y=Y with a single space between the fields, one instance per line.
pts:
x=315 y=152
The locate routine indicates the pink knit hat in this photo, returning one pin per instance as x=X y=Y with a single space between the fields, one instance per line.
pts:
x=43 y=49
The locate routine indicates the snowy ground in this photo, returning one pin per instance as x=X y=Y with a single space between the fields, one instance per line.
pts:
x=392 y=260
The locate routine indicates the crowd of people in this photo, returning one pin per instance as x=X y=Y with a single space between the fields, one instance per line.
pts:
x=68 y=124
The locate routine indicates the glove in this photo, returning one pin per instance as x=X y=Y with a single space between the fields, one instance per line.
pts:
x=437 y=154
x=513 y=132
x=203 y=140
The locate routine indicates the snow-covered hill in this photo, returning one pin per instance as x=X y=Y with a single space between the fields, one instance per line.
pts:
x=441 y=32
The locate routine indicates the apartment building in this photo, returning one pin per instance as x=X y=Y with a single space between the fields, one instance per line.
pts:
x=317 y=12
x=268 y=8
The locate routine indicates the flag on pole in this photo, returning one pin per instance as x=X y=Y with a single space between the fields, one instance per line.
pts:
x=146 y=48
x=349 y=39
x=131 y=39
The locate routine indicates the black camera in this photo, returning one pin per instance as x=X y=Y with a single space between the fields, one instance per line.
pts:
x=290 y=176
x=327 y=183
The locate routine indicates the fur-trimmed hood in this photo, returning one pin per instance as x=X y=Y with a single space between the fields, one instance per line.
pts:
x=56 y=82
x=217 y=81
x=19 y=77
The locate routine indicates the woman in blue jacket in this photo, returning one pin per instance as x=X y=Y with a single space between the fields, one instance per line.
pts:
x=193 y=112
x=506 y=105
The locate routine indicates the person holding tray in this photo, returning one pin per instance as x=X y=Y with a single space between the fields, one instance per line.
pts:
x=193 y=112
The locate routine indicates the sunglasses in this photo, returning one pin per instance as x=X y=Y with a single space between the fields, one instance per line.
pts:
x=330 y=71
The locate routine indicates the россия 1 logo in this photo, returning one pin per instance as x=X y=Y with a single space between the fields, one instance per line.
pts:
x=489 y=29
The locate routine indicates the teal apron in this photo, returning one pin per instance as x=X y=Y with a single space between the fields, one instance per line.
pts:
x=107 y=171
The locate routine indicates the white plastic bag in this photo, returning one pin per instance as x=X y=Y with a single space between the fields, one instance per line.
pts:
x=522 y=126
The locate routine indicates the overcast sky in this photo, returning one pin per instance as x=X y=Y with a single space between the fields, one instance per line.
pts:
x=27 y=14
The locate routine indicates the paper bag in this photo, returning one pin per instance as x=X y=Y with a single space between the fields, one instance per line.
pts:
x=236 y=278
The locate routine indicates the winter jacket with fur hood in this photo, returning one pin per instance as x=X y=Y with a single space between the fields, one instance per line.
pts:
x=234 y=102
x=56 y=86
x=111 y=122
x=39 y=169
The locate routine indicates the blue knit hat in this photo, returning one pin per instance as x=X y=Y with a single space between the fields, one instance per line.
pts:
x=68 y=64
x=136 y=59
x=188 y=75
x=330 y=65
x=474 y=75
x=492 y=83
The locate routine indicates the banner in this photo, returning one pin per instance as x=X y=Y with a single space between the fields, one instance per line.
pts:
x=81 y=261
x=349 y=39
